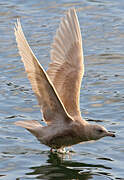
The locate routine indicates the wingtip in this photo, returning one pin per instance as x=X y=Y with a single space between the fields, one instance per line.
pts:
x=72 y=10
x=17 y=23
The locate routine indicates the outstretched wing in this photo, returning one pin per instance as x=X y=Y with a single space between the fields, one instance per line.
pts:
x=67 y=68
x=51 y=106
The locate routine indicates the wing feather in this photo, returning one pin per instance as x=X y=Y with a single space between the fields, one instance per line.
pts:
x=50 y=103
x=66 y=68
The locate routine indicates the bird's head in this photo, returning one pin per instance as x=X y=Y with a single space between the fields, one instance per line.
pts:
x=97 y=131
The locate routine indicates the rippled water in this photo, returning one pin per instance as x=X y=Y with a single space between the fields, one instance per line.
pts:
x=102 y=93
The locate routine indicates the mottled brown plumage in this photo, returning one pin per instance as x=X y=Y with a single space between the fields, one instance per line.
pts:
x=58 y=89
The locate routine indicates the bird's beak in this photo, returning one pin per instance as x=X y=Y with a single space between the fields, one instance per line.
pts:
x=109 y=133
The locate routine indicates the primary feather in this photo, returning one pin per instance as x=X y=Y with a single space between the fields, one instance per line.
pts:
x=50 y=103
x=67 y=68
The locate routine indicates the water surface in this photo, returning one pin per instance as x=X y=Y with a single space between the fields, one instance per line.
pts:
x=102 y=93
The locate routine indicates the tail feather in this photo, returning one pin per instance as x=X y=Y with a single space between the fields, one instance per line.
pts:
x=33 y=126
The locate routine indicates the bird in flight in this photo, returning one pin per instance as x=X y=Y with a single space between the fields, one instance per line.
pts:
x=58 y=89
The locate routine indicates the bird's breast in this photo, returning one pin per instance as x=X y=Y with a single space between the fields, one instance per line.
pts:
x=63 y=139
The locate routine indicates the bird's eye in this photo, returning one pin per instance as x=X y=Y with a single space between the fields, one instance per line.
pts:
x=100 y=130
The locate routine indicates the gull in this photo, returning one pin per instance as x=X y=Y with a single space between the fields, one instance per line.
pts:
x=58 y=89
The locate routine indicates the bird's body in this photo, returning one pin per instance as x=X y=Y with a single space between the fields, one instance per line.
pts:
x=58 y=89
x=57 y=136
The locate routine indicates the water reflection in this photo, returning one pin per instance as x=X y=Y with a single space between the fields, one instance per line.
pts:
x=59 y=168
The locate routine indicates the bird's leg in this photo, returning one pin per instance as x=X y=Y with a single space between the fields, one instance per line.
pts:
x=71 y=150
x=61 y=150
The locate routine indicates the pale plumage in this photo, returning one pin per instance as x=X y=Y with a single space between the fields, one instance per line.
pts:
x=58 y=90
x=67 y=68
x=48 y=99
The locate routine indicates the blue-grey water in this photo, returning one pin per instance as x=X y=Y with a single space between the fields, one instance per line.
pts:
x=22 y=157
